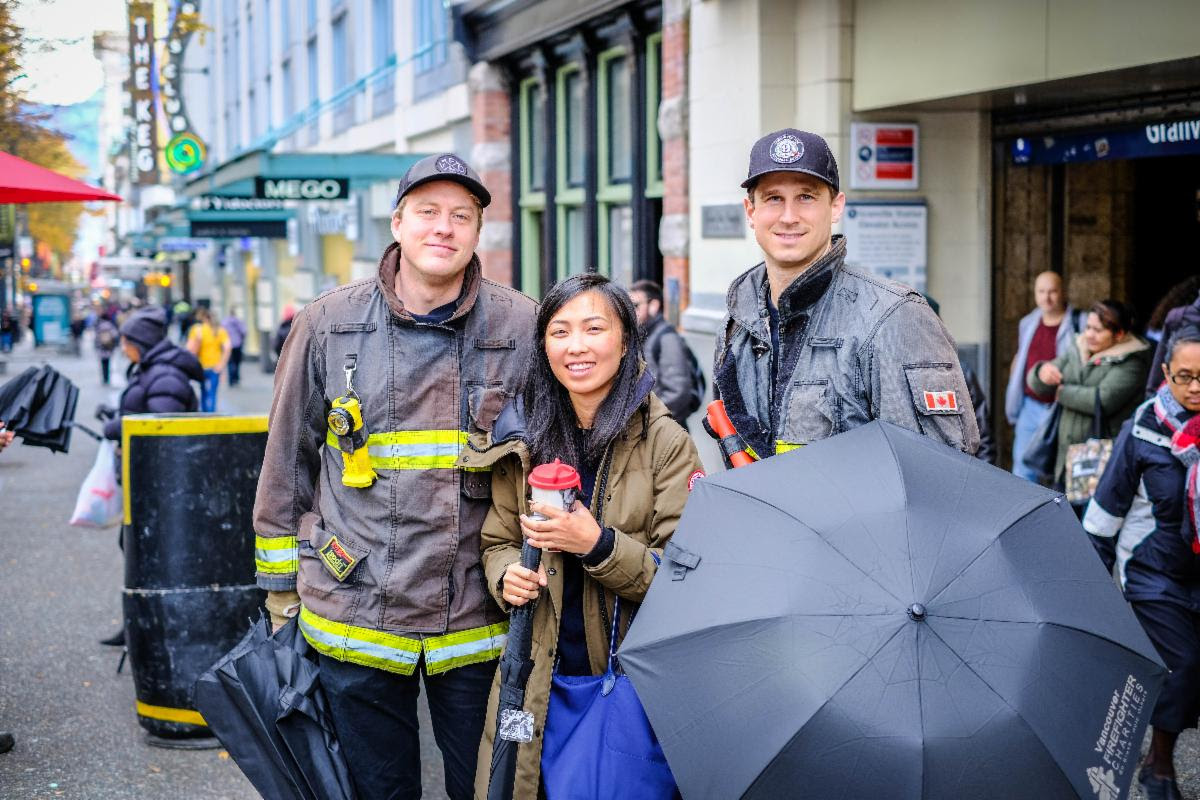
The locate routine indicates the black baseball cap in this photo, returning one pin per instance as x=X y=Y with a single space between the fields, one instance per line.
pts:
x=790 y=150
x=442 y=167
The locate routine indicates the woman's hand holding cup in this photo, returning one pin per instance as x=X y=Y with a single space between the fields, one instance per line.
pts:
x=575 y=531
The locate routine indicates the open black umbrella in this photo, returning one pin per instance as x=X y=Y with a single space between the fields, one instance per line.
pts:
x=39 y=406
x=514 y=725
x=878 y=615
x=262 y=700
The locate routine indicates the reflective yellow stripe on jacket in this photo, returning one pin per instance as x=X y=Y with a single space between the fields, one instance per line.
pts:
x=275 y=555
x=395 y=450
x=784 y=447
x=400 y=654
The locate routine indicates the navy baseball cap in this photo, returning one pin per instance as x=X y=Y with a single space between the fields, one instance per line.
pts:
x=442 y=167
x=790 y=150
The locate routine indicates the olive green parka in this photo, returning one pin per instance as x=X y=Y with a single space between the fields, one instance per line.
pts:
x=649 y=467
x=1118 y=373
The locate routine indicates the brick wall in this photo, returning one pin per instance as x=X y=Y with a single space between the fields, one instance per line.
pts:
x=491 y=128
x=672 y=127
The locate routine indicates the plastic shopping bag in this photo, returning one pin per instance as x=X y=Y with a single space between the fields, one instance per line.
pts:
x=99 y=504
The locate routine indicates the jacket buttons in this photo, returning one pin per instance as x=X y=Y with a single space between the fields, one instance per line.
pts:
x=551 y=653
x=552 y=571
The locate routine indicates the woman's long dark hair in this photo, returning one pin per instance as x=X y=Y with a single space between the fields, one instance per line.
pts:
x=550 y=421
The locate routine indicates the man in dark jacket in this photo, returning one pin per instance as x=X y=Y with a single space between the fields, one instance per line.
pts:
x=811 y=346
x=161 y=373
x=665 y=351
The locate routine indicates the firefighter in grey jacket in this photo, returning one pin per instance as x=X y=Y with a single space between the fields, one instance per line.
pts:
x=810 y=346
x=365 y=528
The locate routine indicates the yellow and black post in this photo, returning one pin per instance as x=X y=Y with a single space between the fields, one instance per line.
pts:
x=189 y=484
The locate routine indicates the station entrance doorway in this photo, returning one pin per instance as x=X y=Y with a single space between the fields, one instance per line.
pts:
x=1115 y=211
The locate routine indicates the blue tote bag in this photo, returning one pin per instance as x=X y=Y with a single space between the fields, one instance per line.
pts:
x=598 y=742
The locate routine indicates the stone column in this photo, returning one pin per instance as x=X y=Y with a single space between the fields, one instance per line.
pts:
x=491 y=128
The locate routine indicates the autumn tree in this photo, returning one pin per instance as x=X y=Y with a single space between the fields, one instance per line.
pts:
x=24 y=132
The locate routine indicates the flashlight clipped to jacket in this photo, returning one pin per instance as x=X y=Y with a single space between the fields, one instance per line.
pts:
x=346 y=423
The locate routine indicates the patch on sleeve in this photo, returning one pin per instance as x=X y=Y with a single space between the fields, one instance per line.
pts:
x=337 y=559
x=943 y=402
x=695 y=476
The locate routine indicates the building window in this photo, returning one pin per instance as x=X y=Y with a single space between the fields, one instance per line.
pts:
x=285 y=27
x=343 y=112
x=613 y=192
x=383 y=92
x=592 y=116
x=532 y=129
x=571 y=157
x=311 y=16
x=252 y=107
x=431 y=46
x=314 y=93
x=654 y=187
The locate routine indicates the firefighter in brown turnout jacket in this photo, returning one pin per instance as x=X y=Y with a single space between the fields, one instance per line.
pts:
x=365 y=528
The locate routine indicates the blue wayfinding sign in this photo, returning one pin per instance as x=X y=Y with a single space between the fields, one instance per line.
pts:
x=1174 y=138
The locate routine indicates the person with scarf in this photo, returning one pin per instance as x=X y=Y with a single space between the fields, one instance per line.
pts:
x=1143 y=518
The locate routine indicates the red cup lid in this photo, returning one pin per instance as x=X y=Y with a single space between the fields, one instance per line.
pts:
x=554 y=476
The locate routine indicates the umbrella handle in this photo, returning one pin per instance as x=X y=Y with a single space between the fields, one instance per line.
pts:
x=531 y=557
x=87 y=430
x=721 y=428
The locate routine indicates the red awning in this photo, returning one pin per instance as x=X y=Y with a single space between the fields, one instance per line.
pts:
x=23 y=182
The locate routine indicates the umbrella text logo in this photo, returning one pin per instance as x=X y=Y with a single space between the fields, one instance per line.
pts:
x=1120 y=724
x=1104 y=784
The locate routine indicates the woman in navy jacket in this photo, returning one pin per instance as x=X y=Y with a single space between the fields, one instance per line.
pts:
x=1140 y=519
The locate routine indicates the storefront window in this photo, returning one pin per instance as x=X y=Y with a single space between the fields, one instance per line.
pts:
x=575 y=263
x=537 y=136
x=619 y=102
x=620 y=244
x=574 y=99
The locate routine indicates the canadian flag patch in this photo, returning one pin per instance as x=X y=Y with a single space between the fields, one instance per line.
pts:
x=945 y=402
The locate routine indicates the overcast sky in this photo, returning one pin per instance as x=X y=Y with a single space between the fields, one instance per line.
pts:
x=65 y=72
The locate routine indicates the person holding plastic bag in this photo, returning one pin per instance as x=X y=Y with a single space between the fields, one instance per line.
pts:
x=159 y=381
x=99 y=504
x=586 y=400
x=161 y=373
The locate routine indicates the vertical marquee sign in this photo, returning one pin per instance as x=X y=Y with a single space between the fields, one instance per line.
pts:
x=144 y=135
x=185 y=150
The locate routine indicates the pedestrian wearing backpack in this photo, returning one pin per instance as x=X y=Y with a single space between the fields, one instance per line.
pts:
x=105 y=344
x=679 y=382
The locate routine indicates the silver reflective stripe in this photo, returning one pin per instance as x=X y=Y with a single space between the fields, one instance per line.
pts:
x=1138 y=525
x=275 y=556
x=467 y=648
x=359 y=646
x=413 y=450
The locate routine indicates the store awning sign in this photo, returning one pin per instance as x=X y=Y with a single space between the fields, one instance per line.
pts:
x=1166 y=138
x=885 y=156
x=302 y=188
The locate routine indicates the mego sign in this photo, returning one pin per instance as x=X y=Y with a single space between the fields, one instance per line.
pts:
x=301 y=188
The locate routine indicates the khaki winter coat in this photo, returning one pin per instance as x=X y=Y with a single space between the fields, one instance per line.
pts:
x=649 y=471
x=1118 y=373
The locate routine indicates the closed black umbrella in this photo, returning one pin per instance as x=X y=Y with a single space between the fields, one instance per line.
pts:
x=39 y=406
x=514 y=725
x=263 y=702
x=878 y=615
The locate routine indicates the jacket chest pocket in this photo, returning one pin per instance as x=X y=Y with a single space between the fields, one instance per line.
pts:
x=811 y=414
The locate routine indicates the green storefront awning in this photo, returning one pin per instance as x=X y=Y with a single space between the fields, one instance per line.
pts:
x=235 y=178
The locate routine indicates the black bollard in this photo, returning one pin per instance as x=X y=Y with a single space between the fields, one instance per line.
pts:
x=189 y=484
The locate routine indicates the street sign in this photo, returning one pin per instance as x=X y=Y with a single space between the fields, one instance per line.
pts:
x=884 y=156
x=182 y=244
x=302 y=188
x=723 y=221
x=237 y=228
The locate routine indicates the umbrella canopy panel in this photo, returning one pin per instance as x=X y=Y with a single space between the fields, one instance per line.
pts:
x=877 y=615
x=24 y=182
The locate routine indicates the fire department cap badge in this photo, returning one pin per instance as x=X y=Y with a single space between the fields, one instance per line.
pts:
x=451 y=164
x=787 y=149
